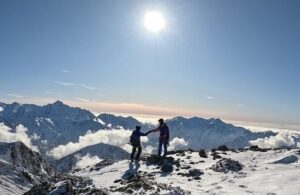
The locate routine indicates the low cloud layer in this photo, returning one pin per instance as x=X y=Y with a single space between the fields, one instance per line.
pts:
x=6 y=135
x=113 y=137
x=87 y=160
x=177 y=144
x=282 y=139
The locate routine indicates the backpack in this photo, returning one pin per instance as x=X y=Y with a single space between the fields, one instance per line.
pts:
x=135 y=139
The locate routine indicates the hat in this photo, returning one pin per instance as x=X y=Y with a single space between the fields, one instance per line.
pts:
x=161 y=120
x=138 y=127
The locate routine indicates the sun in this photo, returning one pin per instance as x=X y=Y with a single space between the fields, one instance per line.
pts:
x=154 y=21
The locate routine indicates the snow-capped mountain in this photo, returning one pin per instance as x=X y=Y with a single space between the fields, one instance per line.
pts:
x=50 y=125
x=211 y=133
x=117 y=122
x=102 y=151
x=21 y=168
x=58 y=124
x=197 y=132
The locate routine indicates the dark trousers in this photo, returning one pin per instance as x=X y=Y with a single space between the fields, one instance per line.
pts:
x=138 y=154
x=164 y=144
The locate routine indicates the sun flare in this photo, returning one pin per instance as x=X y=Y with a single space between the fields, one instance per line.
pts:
x=154 y=21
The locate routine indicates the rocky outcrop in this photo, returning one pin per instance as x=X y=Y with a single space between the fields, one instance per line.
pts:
x=227 y=165
x=67 y=184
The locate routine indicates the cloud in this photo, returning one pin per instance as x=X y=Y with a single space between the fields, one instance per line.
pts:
x=113 y=137
x=65 y=71
x=6 y=135
x=67 y=84
x=210 y=97
x=177 y=144
x=82 y=99
x=14 y=95
x=64 y=83
x=86 y=86
x=282 y=139
x=87 y=160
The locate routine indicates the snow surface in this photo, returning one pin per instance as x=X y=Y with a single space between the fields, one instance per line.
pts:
x=260 y=174
x=1 y=108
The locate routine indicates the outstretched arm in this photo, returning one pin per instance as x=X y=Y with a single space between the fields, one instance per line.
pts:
x=154 y=130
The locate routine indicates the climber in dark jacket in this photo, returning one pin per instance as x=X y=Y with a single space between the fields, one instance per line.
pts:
x=163 y=137
x=136 y=142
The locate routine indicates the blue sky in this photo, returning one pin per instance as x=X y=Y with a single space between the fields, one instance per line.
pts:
x=237 y=60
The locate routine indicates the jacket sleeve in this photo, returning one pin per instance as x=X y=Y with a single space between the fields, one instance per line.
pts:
x=168 y=134
x=155 y=130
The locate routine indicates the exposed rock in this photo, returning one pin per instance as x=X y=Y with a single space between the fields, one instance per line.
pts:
x=143 y=184
x=186 y=167
x=202 y=153
x=195 y=172
x=223 y=148
x=66 y=184
x=225 y=165
x=216 y=156
x=101 y=165
x=258 y=149
x=197 y=178
x=117 y=180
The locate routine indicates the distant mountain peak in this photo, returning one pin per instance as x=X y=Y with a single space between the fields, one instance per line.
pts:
x=215 y=120
x=60 y=103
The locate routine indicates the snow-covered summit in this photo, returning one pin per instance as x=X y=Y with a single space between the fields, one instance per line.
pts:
x=249 y=171
x=21 y=168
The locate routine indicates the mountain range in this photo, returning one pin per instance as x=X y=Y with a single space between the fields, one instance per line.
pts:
x=57 y=124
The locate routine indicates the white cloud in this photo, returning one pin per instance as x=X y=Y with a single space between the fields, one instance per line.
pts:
x=14 y=95
x=81 y=99
x=67 y=84
x=113 y=137
x=86 y=86
x=65 y=71
x=64 y=83
x=6 y=135
x=282 y=139
x=210 y=97
x=87 y=160
x=177 y=144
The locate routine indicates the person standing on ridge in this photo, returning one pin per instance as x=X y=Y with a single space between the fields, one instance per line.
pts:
x=135 y=141
x=163 y=137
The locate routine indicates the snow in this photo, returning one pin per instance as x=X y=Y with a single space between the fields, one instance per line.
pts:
x=87 y=160
x=99 y=121
x=50 y=121
x=8 y=187
x=258 y=176
x=1 y=108
x=37 y=122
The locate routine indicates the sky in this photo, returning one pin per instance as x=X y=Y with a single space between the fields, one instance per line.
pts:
x=235 y=60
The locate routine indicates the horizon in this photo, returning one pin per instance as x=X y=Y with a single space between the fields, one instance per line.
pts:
x=238 y=61
x=144 y=118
